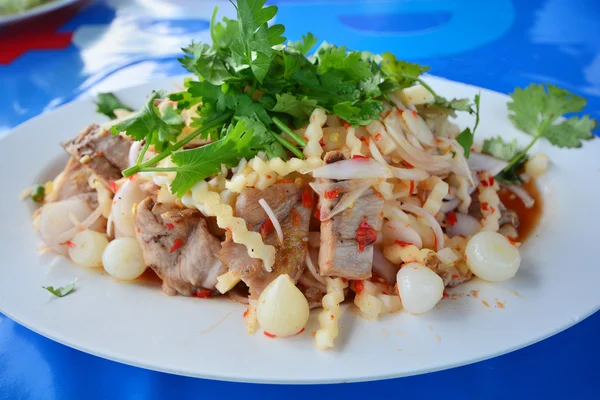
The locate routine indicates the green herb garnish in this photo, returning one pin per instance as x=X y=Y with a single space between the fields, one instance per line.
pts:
x=60 y=291
x=38 y=193
x=107 y=104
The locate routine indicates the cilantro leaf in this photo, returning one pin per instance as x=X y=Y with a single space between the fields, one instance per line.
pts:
x=298 y=108
x=60 y=291
x=465 y=139
x=338 y=58
x=107 y=104
x=254 y=46
x=359 y=113
x=223 y=34
x=197 y=164
x=512 y=176
x=496 y=147
x=536 y=110
x=147 y=124
x=405 y=74
x=454 y=104
x=305 y=45
x=204 y=61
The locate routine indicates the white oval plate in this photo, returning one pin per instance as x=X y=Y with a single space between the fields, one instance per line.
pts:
x=32 y=12
x=135 y=323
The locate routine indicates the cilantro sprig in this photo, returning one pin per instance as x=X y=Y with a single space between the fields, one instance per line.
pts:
x=251 y=91
x=539 y=110
x=107 y=103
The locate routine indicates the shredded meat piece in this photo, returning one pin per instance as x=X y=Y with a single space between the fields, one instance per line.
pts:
x=286 y=202
x=450 y=275
x=104 y=154
x=177 y=245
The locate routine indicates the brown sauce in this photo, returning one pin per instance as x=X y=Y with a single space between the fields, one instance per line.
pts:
x=150 y=276
x=528 y=217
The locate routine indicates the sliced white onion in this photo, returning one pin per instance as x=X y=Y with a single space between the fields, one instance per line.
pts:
x=413 y=174
x=121 y=212
x=465 y=225
x=384 y=267
x=450 y=205
x=85 y=224
x=522 y=194
x=321 y=186
x=313 y=270
x=485 y=163
x=356 y=168
x=419 y=128
x=273 y=219
x=347 y=200
x=431 y=221
x=134 y=152
x=395 y=230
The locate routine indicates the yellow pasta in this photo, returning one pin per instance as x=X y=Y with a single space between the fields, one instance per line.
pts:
x=328 y=318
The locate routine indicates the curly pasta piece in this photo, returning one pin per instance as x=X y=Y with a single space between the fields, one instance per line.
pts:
x=314 y=134
x=210 y=203
x=490 y=204
x=353 y=143
x=328 y=318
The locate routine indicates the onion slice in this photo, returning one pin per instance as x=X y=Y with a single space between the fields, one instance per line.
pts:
x=356 y=168
x=313 y=270
x=273 y=218
x=485 y=163
x=522 y=194
x=430 y=219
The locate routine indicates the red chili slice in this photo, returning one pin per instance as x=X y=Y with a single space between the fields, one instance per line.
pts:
x=365 y=235
x=176 y=245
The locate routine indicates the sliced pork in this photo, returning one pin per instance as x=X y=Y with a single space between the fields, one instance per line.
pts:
x=285 y=199
x=106 y=155
x=177 y=245
x=347 y=238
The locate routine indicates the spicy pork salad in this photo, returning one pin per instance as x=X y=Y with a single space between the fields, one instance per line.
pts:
x=289 y=181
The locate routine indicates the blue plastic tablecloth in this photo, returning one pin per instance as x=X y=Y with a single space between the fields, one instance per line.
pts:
x=497 y=44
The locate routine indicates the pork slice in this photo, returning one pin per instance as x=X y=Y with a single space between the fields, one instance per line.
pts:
x=106 y=155
x=71 y=182
x=177 y=245
x=286 y=202
x=341 y=253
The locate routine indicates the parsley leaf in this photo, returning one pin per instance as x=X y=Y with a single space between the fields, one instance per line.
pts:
x=107 y=104
x=338 y=58
x=60 y=291
x=147 y=124
x=465 y=139
x=305 y=45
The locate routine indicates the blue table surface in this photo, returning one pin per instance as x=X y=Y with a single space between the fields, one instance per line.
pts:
x=497 y=44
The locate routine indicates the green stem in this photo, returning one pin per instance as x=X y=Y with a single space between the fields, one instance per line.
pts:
x=426 y=86
x=155 y=169
x=212 y=124
x=289 y=132
x=287 y=145
x=521 y=154
x=143 y=152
